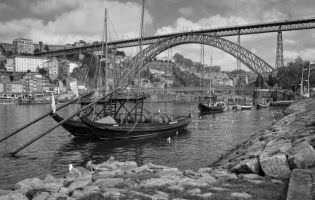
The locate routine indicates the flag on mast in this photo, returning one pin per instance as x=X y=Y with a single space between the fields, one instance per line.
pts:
x=53 y=103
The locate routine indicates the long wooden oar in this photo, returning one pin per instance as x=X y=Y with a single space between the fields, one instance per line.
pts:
x=60 y=123
x=41 y=117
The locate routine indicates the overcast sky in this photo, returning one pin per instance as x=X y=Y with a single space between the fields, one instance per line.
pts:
x=67 y=21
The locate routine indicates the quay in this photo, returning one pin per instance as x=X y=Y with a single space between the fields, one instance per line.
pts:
x=276 y=163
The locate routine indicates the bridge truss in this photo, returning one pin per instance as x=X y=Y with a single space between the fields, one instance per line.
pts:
x=288 y=25
x=252 y=61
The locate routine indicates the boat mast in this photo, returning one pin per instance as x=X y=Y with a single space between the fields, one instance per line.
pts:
x=140 y=44
x=104 y=40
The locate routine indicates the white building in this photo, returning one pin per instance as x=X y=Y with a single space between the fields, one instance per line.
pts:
x=27 y=63
x=10 y=65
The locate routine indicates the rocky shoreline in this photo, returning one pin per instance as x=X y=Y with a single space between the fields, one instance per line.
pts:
x=260 y=168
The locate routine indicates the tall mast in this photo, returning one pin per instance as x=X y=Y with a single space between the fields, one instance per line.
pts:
x=104 y=40
x=140 y=44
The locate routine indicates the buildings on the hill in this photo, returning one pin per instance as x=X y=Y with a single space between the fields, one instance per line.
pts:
x=23 y=46
x=24 y=63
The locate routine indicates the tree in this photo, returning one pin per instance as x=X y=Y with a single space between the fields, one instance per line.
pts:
x=46 y=48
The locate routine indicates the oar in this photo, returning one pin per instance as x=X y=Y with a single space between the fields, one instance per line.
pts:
x=41 y=117
x=60 y=123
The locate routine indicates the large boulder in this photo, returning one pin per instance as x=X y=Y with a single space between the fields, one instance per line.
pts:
x=302 y=155
x=300 y=185
x=247 y=166
x=13 y=196
x=275 y=166
x=28 y=184
x=273 y=160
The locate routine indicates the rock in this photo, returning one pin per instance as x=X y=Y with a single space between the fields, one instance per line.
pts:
x=112 y=166
x=157 y=182
x=108 y=182
x=218 y=189
x=205 y=170
x=191 y=174
x=142 y=194
x=223 y=174
x=206 y=195
x=80 y=182
x=41 y=196
x=241 y=195
x=77 y=194
x=27 y=184
x=6 y=192
x=103 y=175
x=275 y=166
x=194 y=191
x=276 y=181
x=300 y=185
x=170 y=172
x=301 y=156
x=52 y=187
x=92 y=196
x=176 y=187
x=13 y=196
x=201 y=182
x=50 y=179
x=160 y=195
x=247 y=166
x=58 y=196
x=251 y=176
x=113 y=192
x=255 y=181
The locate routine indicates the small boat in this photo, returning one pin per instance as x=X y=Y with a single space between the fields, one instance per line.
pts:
x=210 y=108
x=260 y=105
x=281 y=103
x=245 y=107
x=75 y=127
x=209 y=105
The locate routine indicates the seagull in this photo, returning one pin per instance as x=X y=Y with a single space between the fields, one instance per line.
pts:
x=73 y=170
x=168 y=140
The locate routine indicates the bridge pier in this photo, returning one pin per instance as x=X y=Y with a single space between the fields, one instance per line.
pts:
x=279 y=50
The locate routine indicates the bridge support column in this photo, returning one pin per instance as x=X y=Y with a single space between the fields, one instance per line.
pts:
x=238 y=62
x=279 y=51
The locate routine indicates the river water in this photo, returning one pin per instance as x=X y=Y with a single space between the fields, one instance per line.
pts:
x=206 y=138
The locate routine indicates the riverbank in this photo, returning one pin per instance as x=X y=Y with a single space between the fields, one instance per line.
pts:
x=257 y=169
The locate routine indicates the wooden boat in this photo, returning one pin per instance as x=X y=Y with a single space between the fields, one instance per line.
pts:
x=209 y=105
x=210 y=108
x=75 y=127
x=137 y=130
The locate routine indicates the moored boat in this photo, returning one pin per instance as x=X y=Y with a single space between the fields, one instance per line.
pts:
x=260 y=105
x=281 y=103
x=75 y=127
x=203 y=108
x=137 y=130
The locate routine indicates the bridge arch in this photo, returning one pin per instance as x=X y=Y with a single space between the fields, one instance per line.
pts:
x=249 y=59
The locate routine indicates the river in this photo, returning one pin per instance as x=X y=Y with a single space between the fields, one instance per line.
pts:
x=205 y=139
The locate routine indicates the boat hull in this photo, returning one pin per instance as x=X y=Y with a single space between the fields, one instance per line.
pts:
x=76 y=128
x=136 y=131
x=281 y=103
x=213 y=109
x=260 y=106
x=245 y=107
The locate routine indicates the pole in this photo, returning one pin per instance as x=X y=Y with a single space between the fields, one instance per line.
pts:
x=140 y=44
x=308 y=80
x=41 y=117
x=17 y=150
x=302 y=86
x=106 y=51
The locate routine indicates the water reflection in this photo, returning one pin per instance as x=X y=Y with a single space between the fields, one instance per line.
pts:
x=206 y=138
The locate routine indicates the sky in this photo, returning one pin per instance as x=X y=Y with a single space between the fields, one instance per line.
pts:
x=67 y=21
